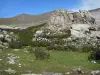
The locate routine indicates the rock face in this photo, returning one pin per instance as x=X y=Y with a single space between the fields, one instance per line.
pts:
x=69 y=27
x=62 y=19
x=80 y=30
x=59 y=20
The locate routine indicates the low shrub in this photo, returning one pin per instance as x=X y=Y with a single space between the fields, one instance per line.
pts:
x=94 y=55
x=26 y=37
x=40 y=44
x=41 y=53
x=15 y=44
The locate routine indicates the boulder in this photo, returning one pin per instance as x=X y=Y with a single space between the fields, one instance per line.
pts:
x=78 y=70
x=12 y=59
x=97 y=72
x=59 y=20
x=4 y=32
x=10 y=71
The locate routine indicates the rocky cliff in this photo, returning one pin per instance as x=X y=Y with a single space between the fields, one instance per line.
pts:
x=70 y=28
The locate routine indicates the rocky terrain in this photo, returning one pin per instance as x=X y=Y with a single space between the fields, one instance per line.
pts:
x=62 y=30
x=78 y=29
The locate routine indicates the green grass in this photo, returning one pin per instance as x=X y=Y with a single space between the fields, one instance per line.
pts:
x=60 y=61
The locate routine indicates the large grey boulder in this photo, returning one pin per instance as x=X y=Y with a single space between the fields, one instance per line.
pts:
x=97 y=72
x=59 y=20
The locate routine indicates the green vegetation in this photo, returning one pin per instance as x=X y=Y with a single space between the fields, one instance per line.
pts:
x=25 y=36
x=60 y=61
x=15 y=44
x=58 y=56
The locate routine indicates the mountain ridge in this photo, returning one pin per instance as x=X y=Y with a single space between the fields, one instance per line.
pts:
x=28 y=20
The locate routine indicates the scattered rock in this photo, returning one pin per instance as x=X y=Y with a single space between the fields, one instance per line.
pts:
x=16 y=49
x=31 y=74
x=12 y=59
x=78 y=70
x=48 y=73
x=93 y=61
x=68 y=73
x=57 y=74
x=0 y=59
x=10 y=71
x=97 y=72
x=4 y=32
x=19 y=64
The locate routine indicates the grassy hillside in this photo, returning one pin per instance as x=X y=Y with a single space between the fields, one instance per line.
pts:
x=60 y=61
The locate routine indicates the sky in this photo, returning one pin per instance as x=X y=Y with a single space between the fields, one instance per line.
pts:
x=10 y=8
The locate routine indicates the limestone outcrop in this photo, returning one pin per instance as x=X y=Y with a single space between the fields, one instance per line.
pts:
x=59 y=20
x=69 y=27
x=6 y=38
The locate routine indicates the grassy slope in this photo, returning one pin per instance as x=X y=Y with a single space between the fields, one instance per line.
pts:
x=60 y=61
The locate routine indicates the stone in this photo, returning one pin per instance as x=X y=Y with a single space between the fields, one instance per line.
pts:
x=38 y=33
x=31 y=74
x=48 y=73
x=59 y=20
x=6 y=45
x=78 y=70
x=97 y=72
x=11 y=33
x=10 y=71
x=4 y=32
x=57 y=74
x=19 y=64
x=12 y=59
x=1 y=36
x=93 y=61
x=16 y=49
x=67 y=73
x=74 y=71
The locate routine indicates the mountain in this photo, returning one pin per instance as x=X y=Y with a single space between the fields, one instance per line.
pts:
x=25 y=19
